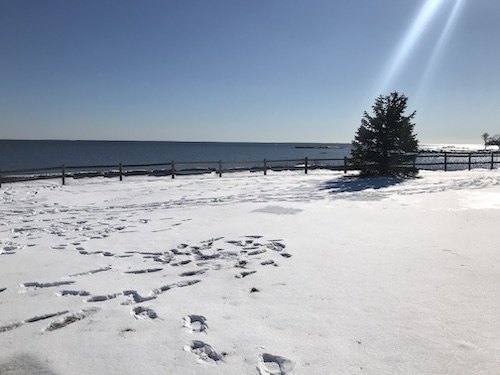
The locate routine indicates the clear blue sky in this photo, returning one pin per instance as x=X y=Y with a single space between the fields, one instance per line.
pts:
x=259 y=70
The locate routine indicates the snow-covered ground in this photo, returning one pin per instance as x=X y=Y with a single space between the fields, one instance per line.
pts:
x=250 y=274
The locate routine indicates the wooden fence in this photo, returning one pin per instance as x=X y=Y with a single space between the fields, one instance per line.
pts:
x=426 y=160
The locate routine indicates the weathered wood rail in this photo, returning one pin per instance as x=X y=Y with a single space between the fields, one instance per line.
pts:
x=426 y=160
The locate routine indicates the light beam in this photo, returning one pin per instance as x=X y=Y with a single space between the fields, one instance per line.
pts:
x=409 y=42
x=439 y=47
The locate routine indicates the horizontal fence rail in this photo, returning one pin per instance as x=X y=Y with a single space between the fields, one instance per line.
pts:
x=447 y=161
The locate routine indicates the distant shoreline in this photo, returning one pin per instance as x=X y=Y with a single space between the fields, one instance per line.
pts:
x=178 y=142
x=319 y=147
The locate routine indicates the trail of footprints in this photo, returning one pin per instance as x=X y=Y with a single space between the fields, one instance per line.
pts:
x=73 y=230
x=215 y=251
x=60 y=323
x=210 y=255
x=267 y=364
x=8 y=247
x=203 y=351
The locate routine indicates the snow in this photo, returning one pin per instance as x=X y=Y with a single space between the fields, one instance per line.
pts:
x=287 y=273
x=458 y=147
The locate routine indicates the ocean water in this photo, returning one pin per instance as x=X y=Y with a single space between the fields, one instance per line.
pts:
x=28 y=154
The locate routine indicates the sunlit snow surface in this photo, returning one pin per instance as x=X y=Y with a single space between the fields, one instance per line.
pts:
x=249 y=274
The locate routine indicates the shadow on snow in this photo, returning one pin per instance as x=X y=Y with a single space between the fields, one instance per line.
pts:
x=354 y=184
x=25 y=364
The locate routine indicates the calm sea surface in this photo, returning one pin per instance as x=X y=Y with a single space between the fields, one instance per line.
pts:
x=24 y=154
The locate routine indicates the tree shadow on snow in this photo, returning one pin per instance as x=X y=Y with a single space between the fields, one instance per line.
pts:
x=352 y=184
x=25 y=364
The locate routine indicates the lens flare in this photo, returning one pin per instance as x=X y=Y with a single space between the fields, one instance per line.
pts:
x=409 y=42
x=439 y=47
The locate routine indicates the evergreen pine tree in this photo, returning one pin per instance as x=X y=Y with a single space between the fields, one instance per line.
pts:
x=385 y=140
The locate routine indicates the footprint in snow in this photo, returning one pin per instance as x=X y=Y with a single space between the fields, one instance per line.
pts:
x=203 y=351
x=276 y=246
x=70 y=319
x=193 y=273
x=147 y=270
x=102 y=298
x=135 y=297
x=268 y=262
x=270 y=364
x=91 y=272
x=244 y=274
x=37 y=318
x=141 y=312
x=10 y=327
x=59 y=247
x=195 y=323
x=256 y=252
x=181 y=263
x=64 y=293
x=36 y=285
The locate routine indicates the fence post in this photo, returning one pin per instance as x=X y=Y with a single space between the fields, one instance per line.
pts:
x=492 y=160
x=470 y=157
x=172 y=171
x=265 y=167
x=445 y=162
x=220 y=168
x=345 y=164
x=305 y=165
x=121 y=174
x=63 y=174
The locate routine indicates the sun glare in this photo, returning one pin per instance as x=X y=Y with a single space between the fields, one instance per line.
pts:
x=410 y=40
x=439 y=47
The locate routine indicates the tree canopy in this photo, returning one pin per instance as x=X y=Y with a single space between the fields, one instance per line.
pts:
x=386 y=139
x=491 y=141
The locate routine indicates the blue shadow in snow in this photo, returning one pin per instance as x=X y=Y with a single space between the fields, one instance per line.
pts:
x=25 y=364
x=352 y=184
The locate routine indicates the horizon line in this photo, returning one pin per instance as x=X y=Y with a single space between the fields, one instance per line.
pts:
x=192 y=141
